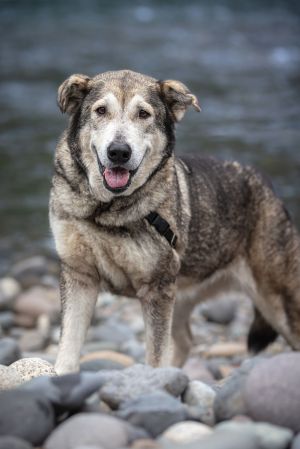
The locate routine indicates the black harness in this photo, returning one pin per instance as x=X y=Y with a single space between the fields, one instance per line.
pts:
x=162 y=227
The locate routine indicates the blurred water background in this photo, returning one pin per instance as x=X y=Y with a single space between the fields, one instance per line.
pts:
x=241 y=58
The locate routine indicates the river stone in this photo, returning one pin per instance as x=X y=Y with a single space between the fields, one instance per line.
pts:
x=268 y=435
x=112 y=330
x=89 y=429
x=9 y=289
x=154 y=412
x=272 y=391
x=199 y=393
x=186 y=432
x=38 y=301
x=25 y=415
x=10 y=442
x=296 y=442
x=67 y=392
x=200 y=398
x=220 y=311
x=142 y=379
x=9 y=378
x=7 y=320
x=9 y=351
x=230 y=400
x=196 y=369
x=31 y=271
x=33 y=367
x=105 y=360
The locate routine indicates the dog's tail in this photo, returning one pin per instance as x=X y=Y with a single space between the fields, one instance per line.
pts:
x=261 y=333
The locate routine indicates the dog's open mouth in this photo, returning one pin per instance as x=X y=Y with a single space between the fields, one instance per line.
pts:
x=117 y=177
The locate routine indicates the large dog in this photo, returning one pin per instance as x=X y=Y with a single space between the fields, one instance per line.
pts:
x=129 y=217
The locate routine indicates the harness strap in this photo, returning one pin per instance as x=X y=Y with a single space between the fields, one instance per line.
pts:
x=162 y=227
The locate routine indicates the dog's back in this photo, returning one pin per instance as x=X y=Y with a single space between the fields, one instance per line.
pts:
x=240 y=230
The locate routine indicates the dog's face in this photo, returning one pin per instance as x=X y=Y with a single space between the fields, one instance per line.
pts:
x=122 y=127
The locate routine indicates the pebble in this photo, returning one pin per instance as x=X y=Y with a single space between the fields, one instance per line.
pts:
x=268 y=435
x=23 y=320
x=272 y=392
x=29 y=368
x=226 y=440
x=25 y=415
x=296 y=442
x=7 y=320
x=141 y=379
x=33 y=340
x=229 y=400
x=110 y=356
x=134 y=349
x=112 y=330
x=199 y=393
x=9 y=351
x=221 y=310
x=89 y=429
x=186 y=432
x=154 y=412
x=67 y=392
x=196 y=369
x=226 y=349
x=9 y=378
x=9 y=289
x=33 y=270
x=200 y=397
x=10 y=442
x=38 y=301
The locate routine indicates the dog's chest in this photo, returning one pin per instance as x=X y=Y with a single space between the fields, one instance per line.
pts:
x=125 y=261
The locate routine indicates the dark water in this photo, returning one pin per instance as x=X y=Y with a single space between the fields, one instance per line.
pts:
x=240 y=58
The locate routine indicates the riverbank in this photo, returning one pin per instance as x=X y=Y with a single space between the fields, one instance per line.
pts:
x=116 y=401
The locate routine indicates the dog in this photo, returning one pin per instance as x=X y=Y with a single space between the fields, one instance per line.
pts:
x=131 y=218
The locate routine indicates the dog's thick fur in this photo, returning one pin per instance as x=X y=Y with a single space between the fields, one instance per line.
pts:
x=232 y=230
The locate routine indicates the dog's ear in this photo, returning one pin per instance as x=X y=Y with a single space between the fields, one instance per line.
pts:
x=71 y=92
x=178 y=98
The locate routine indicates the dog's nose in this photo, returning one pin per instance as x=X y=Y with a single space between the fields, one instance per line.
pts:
x=119 y=153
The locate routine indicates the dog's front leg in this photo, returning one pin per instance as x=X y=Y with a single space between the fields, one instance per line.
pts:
x=78 y=296
x=157 y=306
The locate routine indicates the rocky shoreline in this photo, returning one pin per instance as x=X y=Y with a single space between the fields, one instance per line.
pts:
x=223 y=398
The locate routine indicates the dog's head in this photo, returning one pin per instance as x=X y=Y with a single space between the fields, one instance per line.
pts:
x=122 y=126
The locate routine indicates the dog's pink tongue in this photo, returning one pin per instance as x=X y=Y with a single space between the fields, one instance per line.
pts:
x=116 y=177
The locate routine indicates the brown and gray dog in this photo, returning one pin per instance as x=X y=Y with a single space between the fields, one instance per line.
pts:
x=130 y=218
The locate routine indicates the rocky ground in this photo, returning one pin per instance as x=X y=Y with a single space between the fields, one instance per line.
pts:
x=222 y=398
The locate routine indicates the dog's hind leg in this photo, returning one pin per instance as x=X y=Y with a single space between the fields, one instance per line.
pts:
x=78 y=297
x=275 y=262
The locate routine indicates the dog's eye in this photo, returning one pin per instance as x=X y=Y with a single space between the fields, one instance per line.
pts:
x=143 y=114
x=101 y=110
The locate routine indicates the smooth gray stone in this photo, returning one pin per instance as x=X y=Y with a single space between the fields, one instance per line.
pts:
x=67 y=392
x=100 y=364
x=154 y=412
x=26 y=415
x=112 y=330
x=10 y=442
x=9 y=351
x=142 y=379
x=230 y=400
x=268 y=435
x=220 y=440
x=272 y=391
x=92 y=429
x=220 y=311
x=296 y=442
